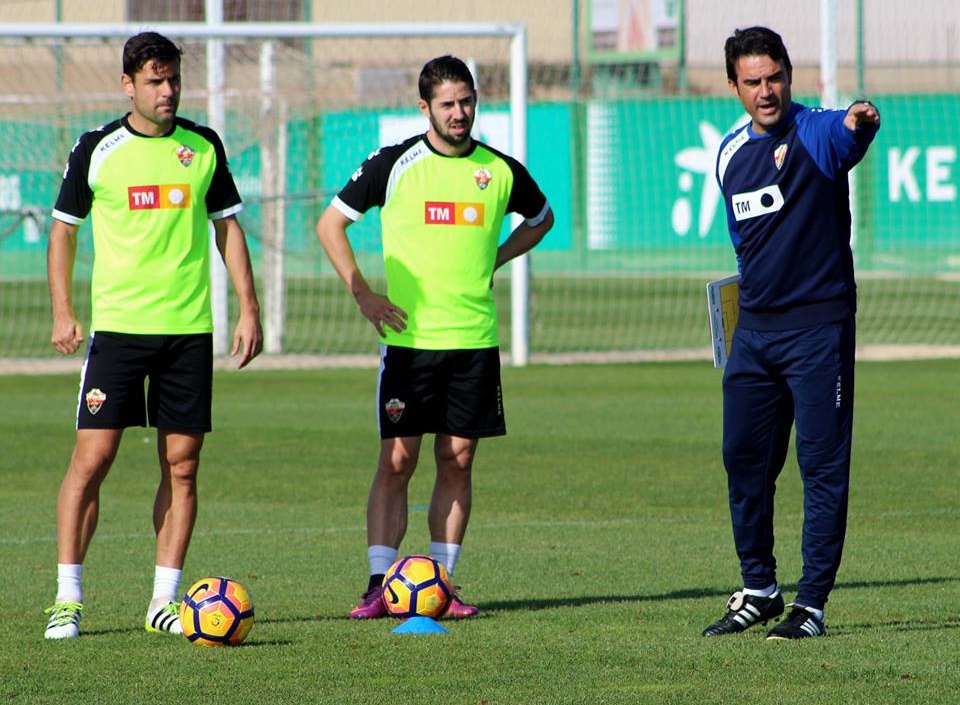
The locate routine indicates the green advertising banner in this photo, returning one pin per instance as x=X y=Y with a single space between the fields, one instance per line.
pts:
x=651 y=199
x=631 y=183
x=909 y=207
x=650 y=185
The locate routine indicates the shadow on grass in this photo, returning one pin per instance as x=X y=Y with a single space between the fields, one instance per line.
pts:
x=105 y=632
x=693 y=594
x=254 y=644
x=304 y=619
x=898 y=625
x=686 y=594
x=949 y=622
x=86 y=633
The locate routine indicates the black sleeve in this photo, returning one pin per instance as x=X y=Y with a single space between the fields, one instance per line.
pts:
x=526 y=198
x=76 y=198
x=223 y=193
x=367 y=186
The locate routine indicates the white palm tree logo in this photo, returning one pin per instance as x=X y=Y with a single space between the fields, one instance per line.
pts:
x=699 y=160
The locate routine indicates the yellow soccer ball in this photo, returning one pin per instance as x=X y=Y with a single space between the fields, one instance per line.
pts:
x=416 y=585
x=216 y=612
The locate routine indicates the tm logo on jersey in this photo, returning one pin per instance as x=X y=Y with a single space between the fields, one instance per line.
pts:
x=163 y=196
x=752 y=204
x=453 y=213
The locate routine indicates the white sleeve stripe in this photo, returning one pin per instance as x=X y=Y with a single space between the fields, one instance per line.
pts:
x=537 y=219
x=351 y=213
x=729 y=150
x=66 y=217
x=226 y=212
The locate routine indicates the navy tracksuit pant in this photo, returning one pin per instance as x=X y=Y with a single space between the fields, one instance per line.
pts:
x=774 y=380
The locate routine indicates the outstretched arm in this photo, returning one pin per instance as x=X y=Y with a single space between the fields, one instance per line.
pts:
x=67 y=333
x=376 y=308
x=248 y=333
x=861 y=113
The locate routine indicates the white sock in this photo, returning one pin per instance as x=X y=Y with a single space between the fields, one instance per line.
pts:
x=166 y=585
x=381 y=558
x=814 y=611
x=446 y=553
x=69 y=588
x=765 y=592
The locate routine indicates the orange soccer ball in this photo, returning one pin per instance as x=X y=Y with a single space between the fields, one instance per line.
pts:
x=216 y=612
x=416 y=585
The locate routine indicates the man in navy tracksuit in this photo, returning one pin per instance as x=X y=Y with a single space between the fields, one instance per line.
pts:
x=784 y=181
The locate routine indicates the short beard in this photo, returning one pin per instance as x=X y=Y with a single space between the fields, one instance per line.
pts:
x=447 y=137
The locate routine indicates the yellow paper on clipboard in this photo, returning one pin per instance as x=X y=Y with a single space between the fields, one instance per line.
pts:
x=723 y=306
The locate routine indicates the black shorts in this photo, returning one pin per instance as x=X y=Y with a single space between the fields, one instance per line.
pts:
x=455 y=392
x=180 y=392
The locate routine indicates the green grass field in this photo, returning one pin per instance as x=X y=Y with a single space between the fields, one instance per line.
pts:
x=598 y=549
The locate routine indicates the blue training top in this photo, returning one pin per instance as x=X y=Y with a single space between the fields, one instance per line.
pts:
x=788 y=211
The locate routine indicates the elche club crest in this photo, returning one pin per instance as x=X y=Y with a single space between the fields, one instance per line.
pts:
x=482 y=177
x=394 y=409
x=779 y=155
x=95 y=399
x=185 y=155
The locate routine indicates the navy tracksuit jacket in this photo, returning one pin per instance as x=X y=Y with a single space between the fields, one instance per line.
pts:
x=792 y=356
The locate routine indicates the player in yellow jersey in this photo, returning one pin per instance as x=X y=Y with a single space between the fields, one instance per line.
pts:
x=151 y=183
x=442 y=197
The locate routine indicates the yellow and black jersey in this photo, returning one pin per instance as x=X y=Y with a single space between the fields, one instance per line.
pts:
x=441 y=221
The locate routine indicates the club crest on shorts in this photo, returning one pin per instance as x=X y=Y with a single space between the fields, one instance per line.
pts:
x=95 y=399
x=394 y=409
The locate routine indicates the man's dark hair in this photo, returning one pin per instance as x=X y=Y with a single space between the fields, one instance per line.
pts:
x=145 y=47
x=441 y=70
x=755 y=41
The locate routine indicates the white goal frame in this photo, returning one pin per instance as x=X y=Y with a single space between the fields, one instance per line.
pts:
x=217 y=31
